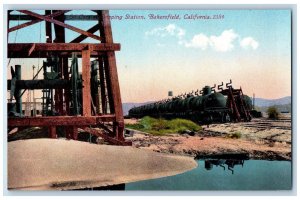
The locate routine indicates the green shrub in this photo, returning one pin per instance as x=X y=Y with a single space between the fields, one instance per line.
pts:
x=273 y=112
x=147 y=122
x=162 y=126
x=235 y=135
x=134 y=126
x=185 y=124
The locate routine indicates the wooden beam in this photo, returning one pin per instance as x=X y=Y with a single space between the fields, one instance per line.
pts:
x=45 y=54
x=60 y=36
x=113 y=74
x=86 y=90
x=112 y=68
x=59 y=120
x=102 y=85
x=67 y=92
x=25 y=47
x=36 y=21
x=82 y=37
x=48 y=28
x=52 y=132
x=111 y=140
x=73 y=28
x=17 y=17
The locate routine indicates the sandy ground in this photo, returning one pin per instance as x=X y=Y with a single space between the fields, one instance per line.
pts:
x=260 y=139
x=73 y=164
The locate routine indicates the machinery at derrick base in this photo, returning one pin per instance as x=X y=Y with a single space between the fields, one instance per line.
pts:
x=205 y=106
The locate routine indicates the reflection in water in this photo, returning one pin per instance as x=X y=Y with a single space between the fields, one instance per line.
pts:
x=214 y=174
x=109 y=187
x=208 y=164
x=228 y=173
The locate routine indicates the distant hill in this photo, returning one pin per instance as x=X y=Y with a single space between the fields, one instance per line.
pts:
x=283 y=104
x=260 y=102
x=127 y=106
x=280 y=108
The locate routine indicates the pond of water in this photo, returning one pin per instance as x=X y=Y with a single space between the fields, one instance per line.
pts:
x=225 y=175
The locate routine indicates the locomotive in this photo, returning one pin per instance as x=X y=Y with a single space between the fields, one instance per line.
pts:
x=204 y=106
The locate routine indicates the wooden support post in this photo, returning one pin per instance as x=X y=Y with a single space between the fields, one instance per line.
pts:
x=71 y=132
x=8 y=20
x=102 y=85
x=113 y=74
x=68 y=132
x=235 y=110
x=245 y=109
x=86 y=90
x=58 y=96
x=74 y=131
x=60 y=103
x=107 y=79
x=52 y=131
x=48 y=28
x=67 y=93
x=94 y=89
x=60 y=38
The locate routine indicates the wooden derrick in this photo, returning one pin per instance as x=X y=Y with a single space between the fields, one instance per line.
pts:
x=109 y=114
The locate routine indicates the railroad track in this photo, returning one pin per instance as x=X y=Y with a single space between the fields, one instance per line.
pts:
x=262 y=124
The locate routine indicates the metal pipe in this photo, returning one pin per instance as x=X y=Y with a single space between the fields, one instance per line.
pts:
x=33 y=98
x=18 y=90
x=40 y=84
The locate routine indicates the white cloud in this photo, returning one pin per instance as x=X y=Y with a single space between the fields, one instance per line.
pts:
x=223 y=42
x=199 y=41
x=170 y=29
x=249 y=42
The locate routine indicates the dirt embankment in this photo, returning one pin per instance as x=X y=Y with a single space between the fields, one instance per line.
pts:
x=47 y=164
x=259 y=139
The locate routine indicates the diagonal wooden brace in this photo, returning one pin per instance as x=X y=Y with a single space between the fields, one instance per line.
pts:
x=36 y=21
x=31 y=49
x=73 y=28
x=80 y=38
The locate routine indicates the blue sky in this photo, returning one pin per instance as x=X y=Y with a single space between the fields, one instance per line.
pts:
x=252 y=47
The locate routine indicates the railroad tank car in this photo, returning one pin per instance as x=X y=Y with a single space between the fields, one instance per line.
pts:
x=206 y=106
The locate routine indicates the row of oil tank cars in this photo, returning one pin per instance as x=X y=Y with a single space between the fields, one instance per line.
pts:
x=206 y=108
